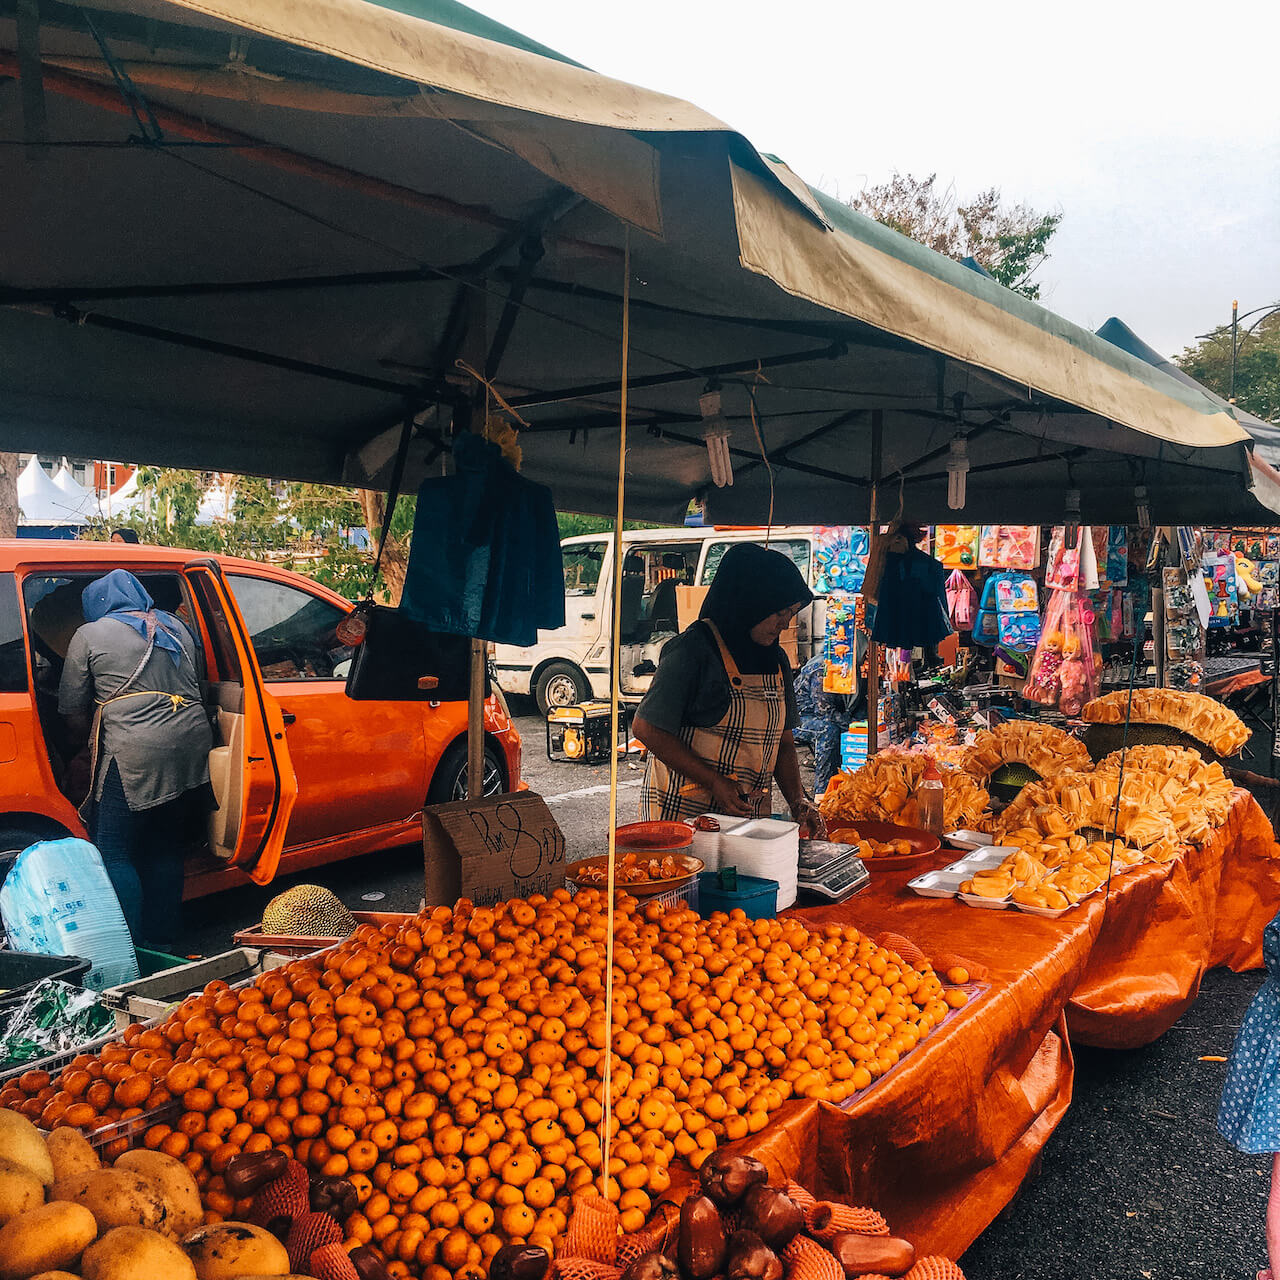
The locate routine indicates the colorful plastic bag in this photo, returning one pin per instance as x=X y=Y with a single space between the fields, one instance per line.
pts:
x=1064 y=671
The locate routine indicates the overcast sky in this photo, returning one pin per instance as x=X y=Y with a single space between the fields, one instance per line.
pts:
x=1154 y=128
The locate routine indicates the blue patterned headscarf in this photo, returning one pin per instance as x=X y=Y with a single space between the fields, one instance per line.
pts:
x=121 y=596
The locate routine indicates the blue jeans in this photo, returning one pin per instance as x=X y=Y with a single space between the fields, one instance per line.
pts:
x=143 y=852
x=822 y=733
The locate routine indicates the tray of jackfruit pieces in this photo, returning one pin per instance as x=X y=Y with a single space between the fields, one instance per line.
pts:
x=1049 y=881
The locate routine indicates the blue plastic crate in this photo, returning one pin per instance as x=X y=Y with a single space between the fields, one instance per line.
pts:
x=757 y=897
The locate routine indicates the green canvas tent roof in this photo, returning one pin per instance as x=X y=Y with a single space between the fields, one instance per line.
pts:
x=256 y=234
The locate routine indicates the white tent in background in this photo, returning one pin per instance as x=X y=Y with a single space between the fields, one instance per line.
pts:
x=215 y=507
x=77 y=500
x=40 y=501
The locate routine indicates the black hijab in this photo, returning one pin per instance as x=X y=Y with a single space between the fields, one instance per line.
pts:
x=751 y=583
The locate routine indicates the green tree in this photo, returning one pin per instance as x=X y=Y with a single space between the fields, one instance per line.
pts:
x=1257 y=365
x=302 y=527
x=1008 y=241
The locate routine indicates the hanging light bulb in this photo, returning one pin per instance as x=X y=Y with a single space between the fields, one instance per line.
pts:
x=716 y=434
x=957 y=473
x=1144 y=506
x=1072 y=531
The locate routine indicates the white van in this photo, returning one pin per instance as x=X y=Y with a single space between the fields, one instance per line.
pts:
x=571 y=664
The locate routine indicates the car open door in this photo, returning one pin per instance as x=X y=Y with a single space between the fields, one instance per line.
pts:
x=249 y=768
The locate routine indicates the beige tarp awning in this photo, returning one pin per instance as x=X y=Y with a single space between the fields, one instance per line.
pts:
x=253 y=236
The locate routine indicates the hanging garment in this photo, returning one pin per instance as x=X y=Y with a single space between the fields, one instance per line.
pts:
x=485 y=559
x=912 y=609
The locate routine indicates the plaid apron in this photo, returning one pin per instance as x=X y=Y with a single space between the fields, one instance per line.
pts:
x=742 y=746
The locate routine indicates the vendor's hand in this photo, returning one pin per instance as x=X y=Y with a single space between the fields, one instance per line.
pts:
x=810 y=818
x=725 y=798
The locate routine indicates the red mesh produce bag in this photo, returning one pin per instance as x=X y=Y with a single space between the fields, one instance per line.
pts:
x=592 y=1234
x=904 y=947
x=309 y=1232
x=806 y=1259
x=329 y=1262
x=825 y=1220
x=876 y=1276
x=945 y=960
x=802 y=1198
x=934 y=1268
x=583 y=1269
x=285 y=1198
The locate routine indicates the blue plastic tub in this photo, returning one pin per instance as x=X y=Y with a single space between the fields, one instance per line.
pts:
x=757 y=897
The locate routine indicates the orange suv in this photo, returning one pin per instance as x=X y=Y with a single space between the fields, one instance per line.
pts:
x=302 y=774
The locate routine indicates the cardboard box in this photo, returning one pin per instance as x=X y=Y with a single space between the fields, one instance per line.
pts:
x=688 y=602
x=507 y=846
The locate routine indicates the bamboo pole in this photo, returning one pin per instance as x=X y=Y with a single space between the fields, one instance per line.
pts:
x=873 y=649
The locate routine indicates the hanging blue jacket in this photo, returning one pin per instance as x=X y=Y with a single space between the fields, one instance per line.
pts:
x=485 y=558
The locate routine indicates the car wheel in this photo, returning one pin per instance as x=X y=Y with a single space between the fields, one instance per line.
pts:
x=449 y=781
x=560 y=685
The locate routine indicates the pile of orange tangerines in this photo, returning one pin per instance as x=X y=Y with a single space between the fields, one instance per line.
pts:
x=450 y=1066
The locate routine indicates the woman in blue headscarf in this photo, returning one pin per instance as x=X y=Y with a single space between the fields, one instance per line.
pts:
x=131 y=681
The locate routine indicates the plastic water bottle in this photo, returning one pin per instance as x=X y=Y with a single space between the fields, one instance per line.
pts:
x=929 y=798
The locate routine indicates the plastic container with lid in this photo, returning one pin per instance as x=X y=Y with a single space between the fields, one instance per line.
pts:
x=929 y=798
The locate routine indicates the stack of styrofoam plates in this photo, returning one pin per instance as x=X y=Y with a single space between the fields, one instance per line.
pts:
x=706 y=844
x=765 y=847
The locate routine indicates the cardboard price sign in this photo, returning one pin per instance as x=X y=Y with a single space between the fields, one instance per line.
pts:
x=507 y=846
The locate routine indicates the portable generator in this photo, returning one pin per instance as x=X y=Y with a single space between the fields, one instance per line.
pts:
x=580 y=733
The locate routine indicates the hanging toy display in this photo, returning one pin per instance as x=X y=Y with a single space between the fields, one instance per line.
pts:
x=962 y=601
x=840 y=559
x=1064 y=671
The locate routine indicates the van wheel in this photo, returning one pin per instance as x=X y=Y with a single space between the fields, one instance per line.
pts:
x=449 y=782
x=560 y=685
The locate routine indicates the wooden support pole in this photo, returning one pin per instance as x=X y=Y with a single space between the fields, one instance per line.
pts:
x=476 y=348
x=873 y=649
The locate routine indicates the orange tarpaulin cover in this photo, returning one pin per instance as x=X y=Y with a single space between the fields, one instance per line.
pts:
x=941 y=1144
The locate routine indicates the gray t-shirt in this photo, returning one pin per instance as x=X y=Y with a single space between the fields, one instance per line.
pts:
x=161 y=748
x=691 y=686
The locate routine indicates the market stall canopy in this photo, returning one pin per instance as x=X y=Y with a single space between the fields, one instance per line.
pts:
x=1266 y=435
x=257 y=235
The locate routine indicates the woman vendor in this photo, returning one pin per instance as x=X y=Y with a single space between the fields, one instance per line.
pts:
x=719 y=715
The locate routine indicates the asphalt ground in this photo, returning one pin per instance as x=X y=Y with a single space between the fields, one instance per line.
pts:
x=1134 y=1185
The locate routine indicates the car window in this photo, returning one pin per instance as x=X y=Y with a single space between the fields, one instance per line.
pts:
x=583 y=562
x=292 y=631
x=796 y=548
x=13 y=652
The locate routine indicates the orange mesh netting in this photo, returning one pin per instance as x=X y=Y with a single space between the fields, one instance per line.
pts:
x=934 y=1269
x=876 y=1276
x=583 y=1269
x=800 y=1195
x=593 y=1231
x=807 y=1260
x=826 y=1220
x=906 y=949
x=945 y=960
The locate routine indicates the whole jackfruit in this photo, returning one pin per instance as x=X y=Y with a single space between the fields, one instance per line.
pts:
x=307 y=910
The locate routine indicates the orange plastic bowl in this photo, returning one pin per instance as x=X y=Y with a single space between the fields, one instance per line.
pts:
x=654 y=838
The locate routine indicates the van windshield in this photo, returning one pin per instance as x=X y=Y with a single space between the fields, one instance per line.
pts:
x=796 y=548
x=582 y=564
